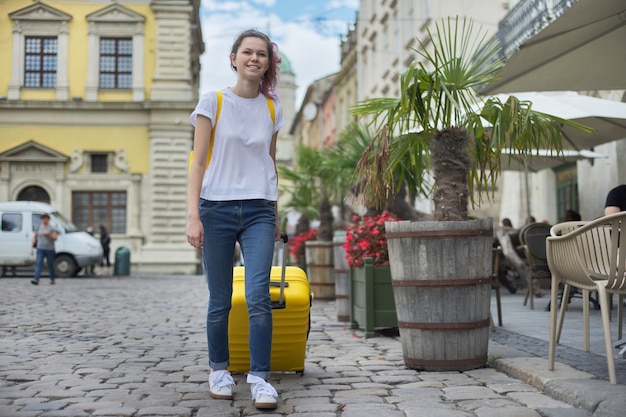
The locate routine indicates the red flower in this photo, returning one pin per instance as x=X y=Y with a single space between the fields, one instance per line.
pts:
x=297 y=243
x=366 y=239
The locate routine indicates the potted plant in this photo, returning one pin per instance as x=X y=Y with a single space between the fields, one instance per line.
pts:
x=301 y=198
x=441 y=126
x=313 y=181
x=297 y=244
x=371 y=295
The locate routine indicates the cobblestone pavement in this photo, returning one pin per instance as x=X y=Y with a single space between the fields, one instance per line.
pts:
x=136 y=346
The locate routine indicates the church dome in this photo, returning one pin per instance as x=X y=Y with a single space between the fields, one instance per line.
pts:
x=285 y=65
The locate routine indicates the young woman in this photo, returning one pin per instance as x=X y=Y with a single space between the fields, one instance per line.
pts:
x=233 y=189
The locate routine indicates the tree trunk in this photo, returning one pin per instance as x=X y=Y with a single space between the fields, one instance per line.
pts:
x=399 y=206
x=451 y=163
x=303 y=224
x=325 y=231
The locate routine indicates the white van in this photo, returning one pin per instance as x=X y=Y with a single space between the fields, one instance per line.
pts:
x=74 y=249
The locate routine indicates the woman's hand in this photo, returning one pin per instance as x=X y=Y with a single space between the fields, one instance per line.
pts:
x=195 y=233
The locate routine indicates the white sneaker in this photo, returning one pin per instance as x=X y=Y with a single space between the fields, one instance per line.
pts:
x=220 y=385
x=263 y=393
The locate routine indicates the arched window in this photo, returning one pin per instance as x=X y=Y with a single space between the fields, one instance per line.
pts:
x=34 y=193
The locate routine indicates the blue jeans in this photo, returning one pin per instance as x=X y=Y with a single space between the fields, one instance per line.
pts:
x=49 y=255
x=252 y=223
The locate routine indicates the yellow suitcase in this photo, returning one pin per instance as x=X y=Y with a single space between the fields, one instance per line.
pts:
x=291 y=320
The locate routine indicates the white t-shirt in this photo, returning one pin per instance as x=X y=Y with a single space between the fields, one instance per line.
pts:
x=241 y=167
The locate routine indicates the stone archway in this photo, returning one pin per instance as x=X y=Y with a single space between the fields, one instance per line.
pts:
x=33 y=193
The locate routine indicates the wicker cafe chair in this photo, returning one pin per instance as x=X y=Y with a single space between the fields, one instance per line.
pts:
x=533 y=239
x=560 y=229
x=591 y=257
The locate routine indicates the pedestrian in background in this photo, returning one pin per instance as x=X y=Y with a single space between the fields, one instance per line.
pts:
x=233 y=198
x=91 y=269
x=43 y=243
x=572 y=216
x=105 y=241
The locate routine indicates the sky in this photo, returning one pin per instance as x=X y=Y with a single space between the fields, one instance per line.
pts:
x=307 y=31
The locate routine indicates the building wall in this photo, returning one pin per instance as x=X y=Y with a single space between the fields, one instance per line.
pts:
x=49 y=135
x=346 y=83
x=388 y=32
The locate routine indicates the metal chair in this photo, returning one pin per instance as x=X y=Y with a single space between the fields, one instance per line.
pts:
x=495 y=284
x=533 y=239
x=591 y=257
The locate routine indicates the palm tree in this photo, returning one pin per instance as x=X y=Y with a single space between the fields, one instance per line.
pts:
x=301 y=189
x=352 y=143
x=313 y=187
x=440 y=124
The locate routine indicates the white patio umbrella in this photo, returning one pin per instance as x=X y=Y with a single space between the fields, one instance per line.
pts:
x=583 y=49
x=607 y=117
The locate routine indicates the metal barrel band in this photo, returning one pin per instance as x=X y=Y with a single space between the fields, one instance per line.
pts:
x=440 y=233
x=313 y=264
x=428 y=363
x=444 y=326
x=441 y=282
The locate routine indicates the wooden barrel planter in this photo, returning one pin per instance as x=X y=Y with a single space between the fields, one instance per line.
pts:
x=342 y=277
x=320 y=269
x=442 y=287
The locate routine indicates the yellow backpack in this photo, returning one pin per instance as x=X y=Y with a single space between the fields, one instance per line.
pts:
x=270 y=106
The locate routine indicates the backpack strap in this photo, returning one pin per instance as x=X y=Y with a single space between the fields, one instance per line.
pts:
x=212 y=140
x=270 y=106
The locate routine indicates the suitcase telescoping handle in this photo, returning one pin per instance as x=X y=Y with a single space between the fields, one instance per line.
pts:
x=281 y=297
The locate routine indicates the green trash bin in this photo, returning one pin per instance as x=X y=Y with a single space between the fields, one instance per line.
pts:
x=122 y=261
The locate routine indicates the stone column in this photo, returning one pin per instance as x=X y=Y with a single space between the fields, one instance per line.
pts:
x=16 y=64
x=173 y=80
x=62 y=88
x=93 y=54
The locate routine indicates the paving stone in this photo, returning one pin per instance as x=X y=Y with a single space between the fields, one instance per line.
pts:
x=64 y=413
x=563 y=412
x=306 y=393
x=468 y=393
x=371 y=409
x=440 y=412
x=509 y=411
x=45 y=406
x=536 y=400
x=114 y=412
x=165 y=411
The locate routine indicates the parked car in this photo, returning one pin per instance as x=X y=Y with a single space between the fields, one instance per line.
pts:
x=74 y=249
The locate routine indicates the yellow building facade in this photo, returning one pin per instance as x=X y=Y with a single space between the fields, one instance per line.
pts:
x=94 y=105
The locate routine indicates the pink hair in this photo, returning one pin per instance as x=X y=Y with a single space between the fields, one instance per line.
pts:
x=269 y=81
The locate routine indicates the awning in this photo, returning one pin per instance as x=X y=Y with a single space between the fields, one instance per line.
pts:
x=583 y=49
x=544 y=159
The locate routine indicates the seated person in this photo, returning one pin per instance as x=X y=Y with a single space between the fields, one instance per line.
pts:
x=615 y=200
x=507 y=274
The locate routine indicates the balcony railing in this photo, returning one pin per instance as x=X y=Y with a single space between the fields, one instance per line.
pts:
x=526 y=19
